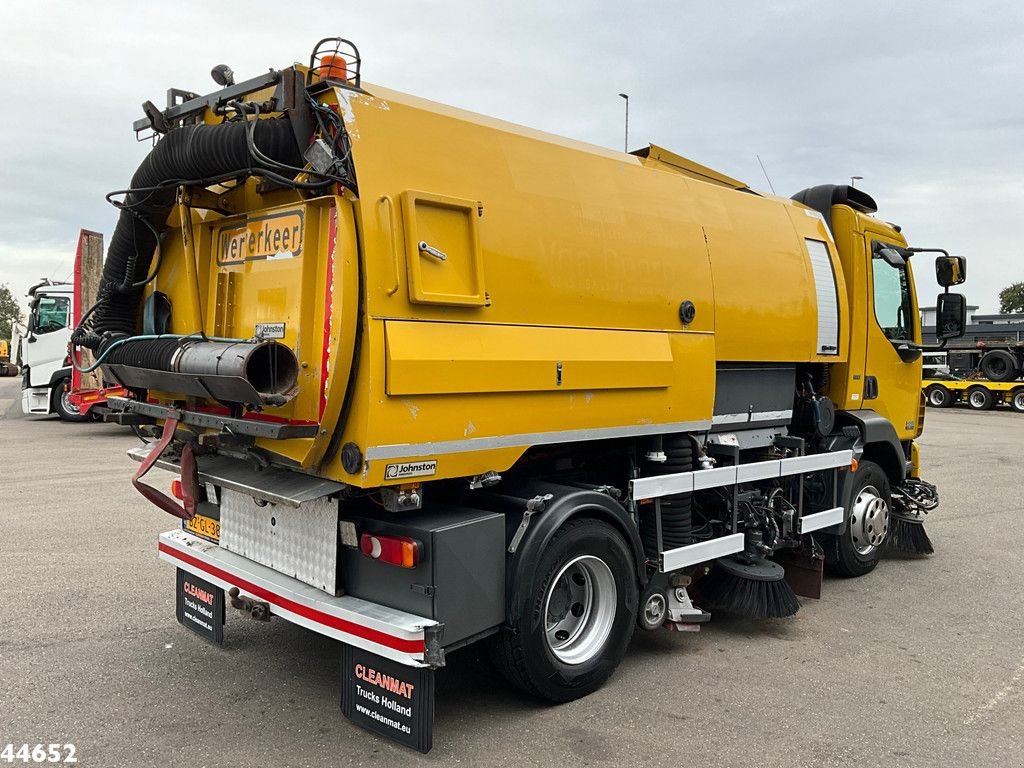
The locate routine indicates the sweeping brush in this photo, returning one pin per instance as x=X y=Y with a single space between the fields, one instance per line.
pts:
x=907 y=536
x=755 y=589
x=910 y=503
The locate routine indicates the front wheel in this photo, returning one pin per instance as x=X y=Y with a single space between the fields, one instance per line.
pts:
x=855 y=552
x=61 y=404
x=578 y=616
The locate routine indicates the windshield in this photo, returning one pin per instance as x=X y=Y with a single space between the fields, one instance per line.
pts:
x=50 y=314
x=893 y=308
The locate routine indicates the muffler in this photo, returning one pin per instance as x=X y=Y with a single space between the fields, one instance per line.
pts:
x=260 y=373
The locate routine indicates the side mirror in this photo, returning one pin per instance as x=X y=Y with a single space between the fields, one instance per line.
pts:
x=950 y=270
x=950 y=316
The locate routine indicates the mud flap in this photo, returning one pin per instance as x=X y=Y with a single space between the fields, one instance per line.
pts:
x=804 y=570
x=388 y=698
x=199 y=605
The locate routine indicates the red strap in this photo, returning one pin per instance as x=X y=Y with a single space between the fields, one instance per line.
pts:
x=162 y=500
x=189 y=480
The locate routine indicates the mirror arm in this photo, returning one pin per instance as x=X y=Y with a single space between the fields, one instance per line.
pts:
x=943 y=251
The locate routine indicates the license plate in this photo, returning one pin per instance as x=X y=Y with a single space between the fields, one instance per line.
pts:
x=206 y=527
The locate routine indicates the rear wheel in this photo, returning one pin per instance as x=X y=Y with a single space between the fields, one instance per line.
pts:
x=578 y=616
x=939 y=397
x=1017 y=400
x=980 y=399
x=999 y=365
x=60 y=402
x=855 y=552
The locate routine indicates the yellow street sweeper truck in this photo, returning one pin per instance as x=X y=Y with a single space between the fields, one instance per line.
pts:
x=429 y=378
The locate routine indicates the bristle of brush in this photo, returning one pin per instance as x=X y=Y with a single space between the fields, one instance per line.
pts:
x=725 y=592
x=908 y=538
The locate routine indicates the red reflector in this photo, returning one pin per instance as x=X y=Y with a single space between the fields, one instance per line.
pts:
x=396 y=550
x=176 y=491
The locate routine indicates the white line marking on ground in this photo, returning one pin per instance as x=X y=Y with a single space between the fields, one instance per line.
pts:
x=1003 y=692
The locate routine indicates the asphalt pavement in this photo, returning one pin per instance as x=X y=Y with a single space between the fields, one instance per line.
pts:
x=920 y=663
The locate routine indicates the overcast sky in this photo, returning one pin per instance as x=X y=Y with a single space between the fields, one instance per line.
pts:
x=923 y=100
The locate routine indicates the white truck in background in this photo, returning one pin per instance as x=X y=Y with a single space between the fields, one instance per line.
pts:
x=50 y=383
x=46 y=371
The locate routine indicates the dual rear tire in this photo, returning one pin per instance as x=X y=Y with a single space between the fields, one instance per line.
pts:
x=980 y=399
x=938 y=396
x=1017 y=400
x=999 y=365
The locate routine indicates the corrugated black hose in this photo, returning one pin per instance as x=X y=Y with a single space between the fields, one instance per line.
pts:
x=677 y=509
x=190 y=153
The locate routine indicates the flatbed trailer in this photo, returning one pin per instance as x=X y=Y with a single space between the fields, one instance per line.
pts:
x=979 y=394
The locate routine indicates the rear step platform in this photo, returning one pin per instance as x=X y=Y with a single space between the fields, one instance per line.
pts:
x=411 y=640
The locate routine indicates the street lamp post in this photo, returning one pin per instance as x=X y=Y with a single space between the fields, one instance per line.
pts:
x=625 y=145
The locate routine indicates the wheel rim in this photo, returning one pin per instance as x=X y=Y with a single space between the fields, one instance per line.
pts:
x=937 y=397
x=65 y=404
x=869 y=521
x=579 y=609
x=998 y=366
x=1018 y=401
x=977 y=399
x=655 y=610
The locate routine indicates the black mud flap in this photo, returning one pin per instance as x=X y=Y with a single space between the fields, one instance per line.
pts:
x=199 y=605
x=804 y=569
x=388 y=698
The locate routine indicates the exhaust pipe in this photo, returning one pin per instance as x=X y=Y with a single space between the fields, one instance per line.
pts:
x=261 y=373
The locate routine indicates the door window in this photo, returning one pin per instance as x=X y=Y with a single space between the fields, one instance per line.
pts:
x=50 y=314
x=893 y=309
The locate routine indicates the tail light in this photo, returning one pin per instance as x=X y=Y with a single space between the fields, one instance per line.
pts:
x=176 y=490
x=396 y=550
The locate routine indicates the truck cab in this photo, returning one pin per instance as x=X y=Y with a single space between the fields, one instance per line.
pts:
x=878 y=387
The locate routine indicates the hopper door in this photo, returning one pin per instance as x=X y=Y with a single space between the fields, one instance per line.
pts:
x=442 y=249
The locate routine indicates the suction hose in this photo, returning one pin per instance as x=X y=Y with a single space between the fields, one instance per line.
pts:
x=187 y=153
x=264 y=372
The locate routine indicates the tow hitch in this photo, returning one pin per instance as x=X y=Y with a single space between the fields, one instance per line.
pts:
x=259 y=611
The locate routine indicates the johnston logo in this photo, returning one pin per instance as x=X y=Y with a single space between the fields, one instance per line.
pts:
x=273 y=236
x=410 y=469
x=270 y=330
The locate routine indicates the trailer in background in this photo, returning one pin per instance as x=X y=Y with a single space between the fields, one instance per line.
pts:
x=977 y=393
x=88 y=391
